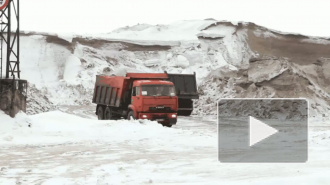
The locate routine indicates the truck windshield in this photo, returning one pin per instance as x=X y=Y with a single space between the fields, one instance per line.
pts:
x=157 y=90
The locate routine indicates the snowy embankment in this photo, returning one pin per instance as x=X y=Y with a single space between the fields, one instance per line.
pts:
x=57 y=128
x=230 y=60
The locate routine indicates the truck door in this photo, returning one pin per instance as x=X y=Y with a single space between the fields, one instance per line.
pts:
x=136 y=98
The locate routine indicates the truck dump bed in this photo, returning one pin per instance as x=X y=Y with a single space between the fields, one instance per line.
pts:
x=110 y=90
x=186 y=90
x=114 y=91
x=185 y=85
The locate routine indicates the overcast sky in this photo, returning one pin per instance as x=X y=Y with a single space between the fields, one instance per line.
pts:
x=310 y=17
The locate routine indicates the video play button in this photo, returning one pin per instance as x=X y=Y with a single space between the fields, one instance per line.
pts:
x=262 y=130
x=259 y=131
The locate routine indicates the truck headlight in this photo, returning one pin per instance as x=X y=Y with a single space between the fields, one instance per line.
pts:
x=173 y=116
x=144 y=116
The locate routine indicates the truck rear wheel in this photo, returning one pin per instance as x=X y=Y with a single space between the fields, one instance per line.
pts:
x=130 y=115
x=108 y=115
x=100 y=113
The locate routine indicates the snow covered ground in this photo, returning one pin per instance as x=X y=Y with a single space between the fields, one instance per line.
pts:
x=61 y=142
x=62 y=148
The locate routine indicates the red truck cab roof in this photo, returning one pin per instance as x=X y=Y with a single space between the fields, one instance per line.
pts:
x=151 y=82
x=147 y=75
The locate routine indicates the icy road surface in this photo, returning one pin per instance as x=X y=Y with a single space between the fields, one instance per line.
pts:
x=74 y=148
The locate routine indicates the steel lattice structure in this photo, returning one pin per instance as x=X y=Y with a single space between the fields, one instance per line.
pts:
x=9 y=38
x=13 y=90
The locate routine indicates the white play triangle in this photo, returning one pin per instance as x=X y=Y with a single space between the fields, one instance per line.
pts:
x=259 y=131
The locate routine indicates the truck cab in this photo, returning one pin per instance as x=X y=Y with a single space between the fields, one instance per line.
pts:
x=154 y=100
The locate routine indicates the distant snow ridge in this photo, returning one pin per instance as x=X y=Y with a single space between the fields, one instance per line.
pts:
x=177 y=31
x=230 y=60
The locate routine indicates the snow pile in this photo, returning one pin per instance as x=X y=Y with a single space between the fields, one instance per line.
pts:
x=179 y=61
x=57 y=127
x=43 y=60
x=230 y=60
x=53 y=73
x=71 y=70
x=20 y=124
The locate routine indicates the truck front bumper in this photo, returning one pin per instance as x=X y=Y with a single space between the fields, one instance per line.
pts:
x=160 y=117
x=172 y=121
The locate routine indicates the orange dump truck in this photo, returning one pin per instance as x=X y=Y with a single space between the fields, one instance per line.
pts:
x=136 y=96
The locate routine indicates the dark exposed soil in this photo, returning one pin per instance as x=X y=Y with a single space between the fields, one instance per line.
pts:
x=290 y=46
x=98 y=43
x=57 y=40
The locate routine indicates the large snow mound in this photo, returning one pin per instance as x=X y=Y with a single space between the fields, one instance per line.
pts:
x=230 y=60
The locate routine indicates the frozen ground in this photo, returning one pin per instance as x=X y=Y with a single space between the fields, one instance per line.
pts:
x=65 y=148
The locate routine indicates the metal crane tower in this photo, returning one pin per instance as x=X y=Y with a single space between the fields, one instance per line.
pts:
x=13 y=90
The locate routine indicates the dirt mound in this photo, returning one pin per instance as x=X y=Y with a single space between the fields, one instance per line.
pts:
x=267 y=78
x=37 y=101
x=299 y=49
x=270 y=64
x=264 y=108
x=264 y=42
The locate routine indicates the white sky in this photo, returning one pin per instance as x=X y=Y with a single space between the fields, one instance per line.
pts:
x=309 y=17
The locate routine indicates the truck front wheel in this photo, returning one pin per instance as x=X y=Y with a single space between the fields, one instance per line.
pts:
x=167 y=124
x=130 y=115
x=100 y=113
